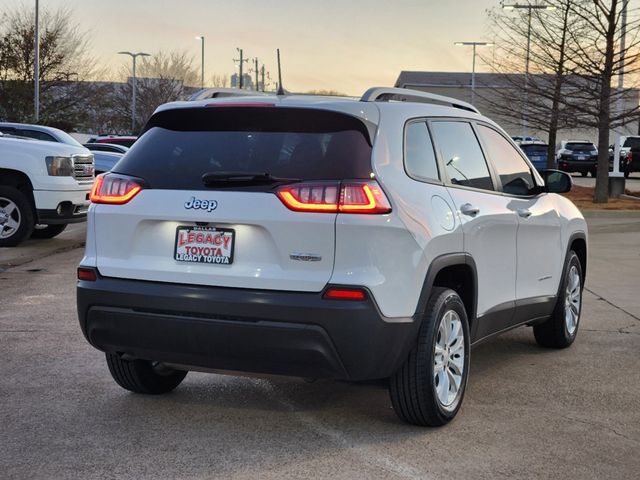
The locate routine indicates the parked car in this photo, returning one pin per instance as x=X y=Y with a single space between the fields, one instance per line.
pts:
x=127 y=141
x=106 y=147
x=519 y=139
x=318 y=238
x=105 y=161
x=43 y=187
x=536 y=152
x=38 y=132
x=579 y=156
x=630 y=155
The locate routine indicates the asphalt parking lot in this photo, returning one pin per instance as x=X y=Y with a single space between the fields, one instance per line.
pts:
x=632 y=183
x=528 y=413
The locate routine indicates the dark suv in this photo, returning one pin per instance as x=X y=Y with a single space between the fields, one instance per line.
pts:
x=578 y=156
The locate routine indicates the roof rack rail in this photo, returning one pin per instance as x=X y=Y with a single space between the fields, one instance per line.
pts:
x=385 y=94
x=208 y=93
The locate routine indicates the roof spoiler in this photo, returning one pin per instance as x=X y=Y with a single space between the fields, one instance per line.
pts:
x=386 y=94
x=208 y=93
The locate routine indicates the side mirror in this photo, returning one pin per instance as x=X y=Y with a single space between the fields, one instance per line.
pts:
x=517 y=186
x=556 y=181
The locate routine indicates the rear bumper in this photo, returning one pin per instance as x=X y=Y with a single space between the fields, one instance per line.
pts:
x=577 y=165
x=287 y=333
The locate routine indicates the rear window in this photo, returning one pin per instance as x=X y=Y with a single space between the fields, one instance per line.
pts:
x=580 y=146
x=179 y=146
x=534 y=148
x=632 y=142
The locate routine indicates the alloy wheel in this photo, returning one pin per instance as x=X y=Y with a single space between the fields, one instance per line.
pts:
x=448 y=360
x=572 y=300
x=10 y=218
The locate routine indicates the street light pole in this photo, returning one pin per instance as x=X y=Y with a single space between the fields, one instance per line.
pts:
x=257 y=72
x=201 y=38
x=473 y=63
x=36 y=66
x=133 y=101
x=619 y=100
x=530 y=8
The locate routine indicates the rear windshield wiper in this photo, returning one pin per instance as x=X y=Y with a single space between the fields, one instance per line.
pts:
x=212 y=179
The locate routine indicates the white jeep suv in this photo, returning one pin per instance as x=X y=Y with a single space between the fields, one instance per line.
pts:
x=326 y=237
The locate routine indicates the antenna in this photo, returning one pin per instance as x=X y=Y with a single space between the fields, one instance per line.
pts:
x=280 y=89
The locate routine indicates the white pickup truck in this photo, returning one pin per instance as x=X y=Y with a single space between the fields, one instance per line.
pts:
x=43 y=187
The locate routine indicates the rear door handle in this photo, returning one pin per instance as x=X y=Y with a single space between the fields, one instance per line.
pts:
x=524 y=213
x=470 y=210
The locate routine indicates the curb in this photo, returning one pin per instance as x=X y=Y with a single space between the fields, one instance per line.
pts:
x=611 y=213
x=16 y=262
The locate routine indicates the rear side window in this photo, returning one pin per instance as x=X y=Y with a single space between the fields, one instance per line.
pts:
x=419 y=157
x=461 y=155
x=515 y=173
x=37 y=135
x=179 y=146
x=8 y=130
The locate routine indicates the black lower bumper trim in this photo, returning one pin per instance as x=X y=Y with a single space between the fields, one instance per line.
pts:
x=52 y=217
x=288 y=333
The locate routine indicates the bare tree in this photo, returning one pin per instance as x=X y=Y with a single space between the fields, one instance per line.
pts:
x=163 y=77
x=221 y=81
x=597 y=56
x=545 y=89
x=65 y=64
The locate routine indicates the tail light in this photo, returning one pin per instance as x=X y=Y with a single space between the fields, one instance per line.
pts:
x=114 y=189
x=351 y=196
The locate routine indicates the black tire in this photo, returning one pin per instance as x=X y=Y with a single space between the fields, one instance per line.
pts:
x=48 y=231
x=584 y=174
x=626 y=174
x=413 y=387
x=593 y=173
x=555 y=333
x=143 y=376
x=22 y=214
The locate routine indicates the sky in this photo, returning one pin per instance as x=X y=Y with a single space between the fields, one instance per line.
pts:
x=342 y=45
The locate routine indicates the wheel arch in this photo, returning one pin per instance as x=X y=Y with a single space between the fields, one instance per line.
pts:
x=578 y=243
x=456 y=271
x=19 y=180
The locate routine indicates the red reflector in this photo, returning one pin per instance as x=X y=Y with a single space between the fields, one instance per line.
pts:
x=87 y=274
x=114 y=189
x=352 y=196
x=345 y=294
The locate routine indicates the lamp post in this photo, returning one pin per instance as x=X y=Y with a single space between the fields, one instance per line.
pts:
x=36 y=66
x=619 y=101
x=133 y=101
x=473 y=64
x=241 y=62
x=529 y=8
x=201 y=38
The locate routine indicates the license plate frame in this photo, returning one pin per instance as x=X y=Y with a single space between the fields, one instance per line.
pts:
x=207 y=241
